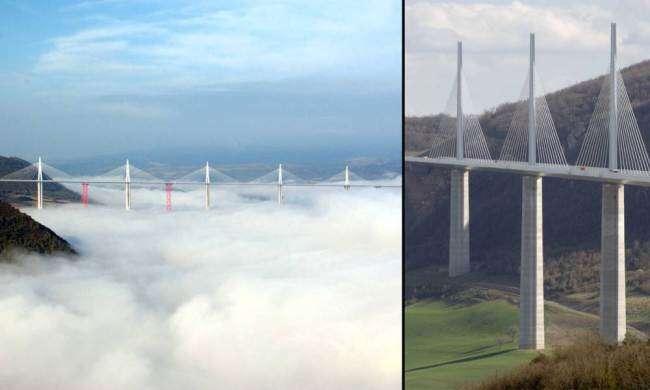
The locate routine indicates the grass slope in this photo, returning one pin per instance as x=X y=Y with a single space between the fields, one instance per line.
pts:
x=451 y=344
x=448 y=345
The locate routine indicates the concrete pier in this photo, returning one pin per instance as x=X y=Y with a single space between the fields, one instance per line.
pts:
x=39 y=184
x=127 y=196
x=612 y=266
x=207 y=196
x=39 y=195
x=459 y=223
x=531 y=287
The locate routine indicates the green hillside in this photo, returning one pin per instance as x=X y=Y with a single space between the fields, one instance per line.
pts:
x=469 y=331
x=448 y=345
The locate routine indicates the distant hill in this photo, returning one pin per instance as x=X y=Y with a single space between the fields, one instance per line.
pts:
x=20 y=231
x=25 y=192
x=571 y=208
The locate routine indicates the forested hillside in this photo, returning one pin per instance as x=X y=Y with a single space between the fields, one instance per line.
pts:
x=20 y=231
x=571 y=208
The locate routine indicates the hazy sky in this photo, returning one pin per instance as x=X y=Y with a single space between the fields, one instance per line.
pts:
x=572 y=39
x=102 y=76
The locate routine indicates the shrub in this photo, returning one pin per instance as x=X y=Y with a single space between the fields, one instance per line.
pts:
x=588 y=364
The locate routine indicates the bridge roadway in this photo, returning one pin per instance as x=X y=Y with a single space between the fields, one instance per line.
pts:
x=212 y=184
x=603 y=175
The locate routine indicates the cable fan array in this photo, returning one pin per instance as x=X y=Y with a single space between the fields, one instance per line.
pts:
x=137 y=175
x=548 y=147
x=631 y=151
x=444 y=141
x=631 y=154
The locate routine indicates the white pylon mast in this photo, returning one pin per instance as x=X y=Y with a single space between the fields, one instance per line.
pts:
x=39 y=185
x=207 y=185
x=613 y=106
x=532 y=113
x=346 y=183
x=459 y=104
x=127 y=186
x=280 y=192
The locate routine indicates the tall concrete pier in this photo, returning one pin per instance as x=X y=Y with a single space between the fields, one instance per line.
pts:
x=459 y=223
x=531 y=285
x=459 y=208
x=280 y=184
x=612 y=244
x=612 y=266
x=39 y=185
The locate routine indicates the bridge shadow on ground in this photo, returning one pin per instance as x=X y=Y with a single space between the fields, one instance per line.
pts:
x=479 y=349
x=463 y=360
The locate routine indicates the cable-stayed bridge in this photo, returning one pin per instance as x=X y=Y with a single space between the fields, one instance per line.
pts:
x=612 y=152
x=128 y=176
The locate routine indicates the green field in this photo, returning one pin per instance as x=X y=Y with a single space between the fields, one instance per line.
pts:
x=470 y=331
x=448 y=345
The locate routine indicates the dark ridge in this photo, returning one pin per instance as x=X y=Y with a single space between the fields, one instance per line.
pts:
x=20 y=231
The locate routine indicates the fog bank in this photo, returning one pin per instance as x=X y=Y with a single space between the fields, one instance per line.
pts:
x=247 y=295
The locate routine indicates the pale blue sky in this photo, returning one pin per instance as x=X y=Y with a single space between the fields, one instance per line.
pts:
x=85 y=77
x=572 y=43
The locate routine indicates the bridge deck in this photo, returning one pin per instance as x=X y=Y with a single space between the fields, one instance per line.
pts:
x=639 y=178
x=212 y=184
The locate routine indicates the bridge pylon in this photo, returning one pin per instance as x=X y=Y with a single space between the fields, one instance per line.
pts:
x=459 y=135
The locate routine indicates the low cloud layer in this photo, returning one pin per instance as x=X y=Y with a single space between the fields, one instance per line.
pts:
x=247 y=295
